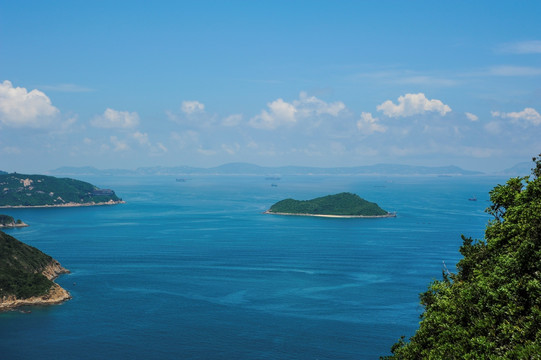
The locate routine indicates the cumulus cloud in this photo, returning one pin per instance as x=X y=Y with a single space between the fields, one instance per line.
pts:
x=232 y=120
x=528 y=115
x=116 y=119
x=413 y=104
x=192 y=107
x=472 y=117
x=118 y=145
x=143 y=141
x=310 y=105
x=141 y=138
x=22 y=108
x=281 y=112
x=368 y=124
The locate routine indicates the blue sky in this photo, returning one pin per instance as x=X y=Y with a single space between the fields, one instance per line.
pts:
x=126 y=84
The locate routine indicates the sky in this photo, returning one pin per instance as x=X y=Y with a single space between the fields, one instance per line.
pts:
x=128 y=84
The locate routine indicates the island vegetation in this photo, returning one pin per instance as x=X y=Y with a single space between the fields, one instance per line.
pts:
x=18 y=190
x=340 y=205
x=7 y=221
x=26 y=275
x=491 y=308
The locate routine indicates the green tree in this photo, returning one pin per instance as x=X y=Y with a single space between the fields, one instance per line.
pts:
x=491 y=308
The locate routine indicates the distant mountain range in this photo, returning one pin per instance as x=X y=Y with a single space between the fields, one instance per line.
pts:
x=251 y=169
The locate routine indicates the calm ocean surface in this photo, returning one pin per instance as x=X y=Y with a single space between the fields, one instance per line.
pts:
x=194 y=270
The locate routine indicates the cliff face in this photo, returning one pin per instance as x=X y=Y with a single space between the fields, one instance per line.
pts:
x=26 y=275
x=55 y=295
x=54 y=269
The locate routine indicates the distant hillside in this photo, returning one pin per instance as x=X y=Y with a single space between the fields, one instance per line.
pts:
x=2 y=172
x=26 y=272
x=251 y=169
x=40 y=190
x=343 y=204
x=520 y=169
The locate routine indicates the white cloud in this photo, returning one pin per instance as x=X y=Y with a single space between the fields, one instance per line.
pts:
x=472 y=117
x=161 y=147
x=11 y=150
x=413 y=104
x=368 y=124
x=310 y=105
x=21 y=108
x=284 y=113
x=192 y=107
x=116 y=119
x=522 y=47
x=186 y=139
x=231 y=149
x=493 y=127
x=141 y=138
x=528 y=115
x=507 y=70
x=232 y=120
x=280 y=112
x=206 y=152
x=119 y=145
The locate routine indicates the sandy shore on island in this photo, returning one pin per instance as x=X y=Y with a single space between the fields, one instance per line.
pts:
x=388 y=215
x=71 y=204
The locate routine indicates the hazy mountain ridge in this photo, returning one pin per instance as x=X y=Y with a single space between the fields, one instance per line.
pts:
x=252 y=169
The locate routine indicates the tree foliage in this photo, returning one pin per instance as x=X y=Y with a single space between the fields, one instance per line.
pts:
x=20 y=269
x=491 y=308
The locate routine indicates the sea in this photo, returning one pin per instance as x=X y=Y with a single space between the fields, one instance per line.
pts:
x=194 y=270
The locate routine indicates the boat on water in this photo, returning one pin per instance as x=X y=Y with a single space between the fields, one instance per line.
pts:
x=473 y=198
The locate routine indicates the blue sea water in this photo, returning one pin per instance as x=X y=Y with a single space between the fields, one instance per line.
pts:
x=194 y=270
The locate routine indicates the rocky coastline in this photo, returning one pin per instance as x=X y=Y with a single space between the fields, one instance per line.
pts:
x=13 y=225
x=55 y=295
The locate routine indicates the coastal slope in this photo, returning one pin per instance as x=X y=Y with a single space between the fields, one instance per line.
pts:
x=27 y=274
x=19 y=190
x=339 y=205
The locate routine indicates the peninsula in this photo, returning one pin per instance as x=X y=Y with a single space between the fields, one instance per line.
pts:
x=21 y=191
x=343 y=205
x=26 y=275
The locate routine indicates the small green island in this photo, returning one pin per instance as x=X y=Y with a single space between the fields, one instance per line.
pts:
x=343 y=205
x=7 y=221
x=26 y=275
x=19 y=190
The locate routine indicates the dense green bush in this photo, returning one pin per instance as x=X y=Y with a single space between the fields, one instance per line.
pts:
x=491 y=308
